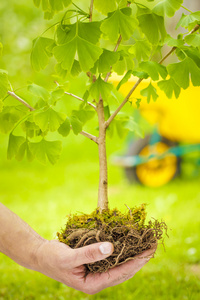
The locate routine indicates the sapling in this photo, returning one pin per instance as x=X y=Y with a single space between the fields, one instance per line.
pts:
x=117 y=36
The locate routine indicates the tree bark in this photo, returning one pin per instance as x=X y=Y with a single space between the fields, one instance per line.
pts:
x=103 y=173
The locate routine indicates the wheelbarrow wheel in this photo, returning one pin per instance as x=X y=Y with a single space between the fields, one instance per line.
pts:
x=155 y=172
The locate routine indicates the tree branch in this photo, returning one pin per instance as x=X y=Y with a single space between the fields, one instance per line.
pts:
x=107 y=123
x=77 y=97
x=91 y=9
x=80 y=99
x=115 y=49
x=90 y=136
x=123 y=103
x=20 y=100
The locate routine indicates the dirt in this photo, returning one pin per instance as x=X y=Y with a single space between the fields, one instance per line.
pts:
x=128 y=233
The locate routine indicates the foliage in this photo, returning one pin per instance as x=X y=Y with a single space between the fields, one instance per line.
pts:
x=125 y=37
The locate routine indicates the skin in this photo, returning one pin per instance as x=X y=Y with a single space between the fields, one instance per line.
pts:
x=58 y=261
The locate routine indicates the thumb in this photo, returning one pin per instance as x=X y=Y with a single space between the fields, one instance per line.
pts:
x=92 y=253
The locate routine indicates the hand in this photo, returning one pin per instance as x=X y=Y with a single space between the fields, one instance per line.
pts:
x=64 y=264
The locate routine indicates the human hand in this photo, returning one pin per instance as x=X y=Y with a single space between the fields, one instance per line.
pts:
x=64 y=264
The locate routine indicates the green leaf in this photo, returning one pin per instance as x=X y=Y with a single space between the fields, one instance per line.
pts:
x=9 y=116
x=168 y=7
x=149 y=92
x=105 y=6
x=76 y=124
x=89 y=31
x=87 y=54
x=76 y=68
x=193 y=40
x=124 y=79
x=138 y=102
x=125 y=63
x=140 y=74
x=30 y=128
x=169 y=87
x=56 y=95
x=60 y=71
x=38 y=91
x=182 y=72
x=83 y=115
x=106 y=60
x=100 y=88
x=24 y=150
x=174 y=42
x=4 y=84
x=13 y=145
x=65 y=128
x=119 y=22
x=132 y=126
x=154 y=69
x=51 y=6
x=40 y=54
x=151 y=24
x=49 y=119
x=141 y=49
x=46 y=150
x=189 y=21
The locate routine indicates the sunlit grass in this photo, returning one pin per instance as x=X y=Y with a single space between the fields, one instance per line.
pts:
x=44 y=195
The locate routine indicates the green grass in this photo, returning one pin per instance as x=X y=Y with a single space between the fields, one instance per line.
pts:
x=44 y=195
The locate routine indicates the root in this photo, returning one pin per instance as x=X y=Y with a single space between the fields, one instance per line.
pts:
x=128 y=234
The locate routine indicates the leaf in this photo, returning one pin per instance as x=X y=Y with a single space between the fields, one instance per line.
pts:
x=4 y=84
x=138 y=102
x=30 y=128
x=154 y=69
x=149 y=92
x=140 y=74
x=49 y=119
x=76 y=68
x=125 y=63
x=40 y=54
x=151 y=24
x=87 y=54
x=65 y=128
x=174 y=42
x=168 y=7
x=76 y=124
x=56 y=95
x=141 y=49
x=189 y=21
x=51 y=6
x=24 y=150
x=9 y=116
x=38 y=91
x=105 y=6
x=124 y=79
x=89 y=31
x=13 y=145
x=106 y=60
x=169 y=87
x=60 y=71
x=119 y=22
x=100 y=88
x=193 y=40
x=44 y=150
x=132 y=126
x=182 y=72
x=83 y=115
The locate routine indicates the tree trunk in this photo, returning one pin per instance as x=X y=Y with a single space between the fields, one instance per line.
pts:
x=103 y=173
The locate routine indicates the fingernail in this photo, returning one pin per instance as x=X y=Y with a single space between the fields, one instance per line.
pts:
x=105 y=248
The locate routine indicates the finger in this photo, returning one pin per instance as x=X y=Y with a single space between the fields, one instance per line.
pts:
x=92 y=253
x=121 y=273
x=129 y=269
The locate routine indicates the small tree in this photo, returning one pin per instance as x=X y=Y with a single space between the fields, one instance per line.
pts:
x=121 y=36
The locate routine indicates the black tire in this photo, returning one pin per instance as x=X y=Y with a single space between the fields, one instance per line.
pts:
x=136 y=147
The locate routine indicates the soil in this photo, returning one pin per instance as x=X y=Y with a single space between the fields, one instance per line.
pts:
x=128 y=233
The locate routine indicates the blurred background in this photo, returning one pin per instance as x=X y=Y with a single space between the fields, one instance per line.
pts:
x=44 y=195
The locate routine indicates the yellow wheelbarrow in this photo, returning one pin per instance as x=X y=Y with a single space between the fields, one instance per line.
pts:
x=155 y=160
